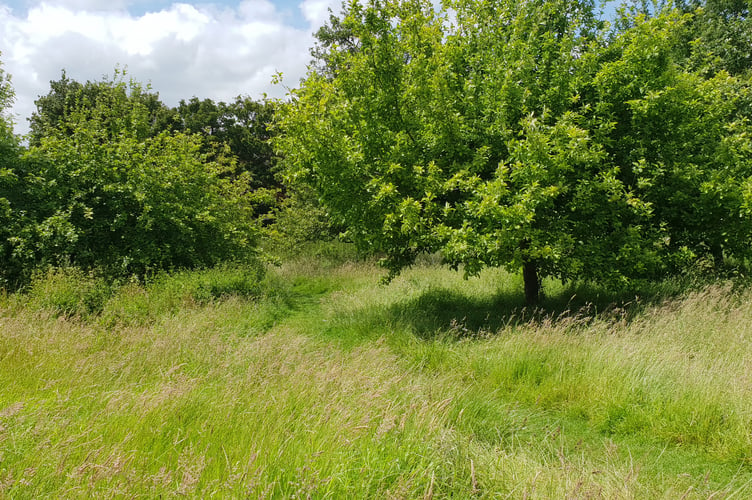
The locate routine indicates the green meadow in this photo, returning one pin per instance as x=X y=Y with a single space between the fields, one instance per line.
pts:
x=313 y=380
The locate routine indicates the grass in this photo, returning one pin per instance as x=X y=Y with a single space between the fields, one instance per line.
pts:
x=316 y=381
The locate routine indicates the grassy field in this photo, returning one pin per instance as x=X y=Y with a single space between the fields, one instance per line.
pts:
x=318 y=382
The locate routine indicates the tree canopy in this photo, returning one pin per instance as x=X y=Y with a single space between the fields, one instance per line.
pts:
x=100 y=189
x=7 y=139
x=9 y=153
x=242 y=126
x=524 y=134
x=720 y=35
x=67 y=96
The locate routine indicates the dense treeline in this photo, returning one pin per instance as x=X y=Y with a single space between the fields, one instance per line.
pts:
x=527 y=135
x=243 y=125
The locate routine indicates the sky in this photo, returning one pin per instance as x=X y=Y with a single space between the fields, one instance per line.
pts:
x=215 y=49
x=208 y=49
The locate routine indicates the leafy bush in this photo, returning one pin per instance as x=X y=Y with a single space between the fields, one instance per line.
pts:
x=99 y=192
x=298 y=221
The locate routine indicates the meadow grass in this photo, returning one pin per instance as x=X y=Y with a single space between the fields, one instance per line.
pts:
x=315 y=381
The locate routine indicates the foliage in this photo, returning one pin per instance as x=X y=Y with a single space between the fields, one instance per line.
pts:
x=68 y=292
x=334 y=36
x=67 y=97
x=682 y=140
x=10 y=193
x=242 y=126
x=71 y=292
x=99 y=191
x=297 y=221
x=719 y=35
x=523 y=134
x=6 y=99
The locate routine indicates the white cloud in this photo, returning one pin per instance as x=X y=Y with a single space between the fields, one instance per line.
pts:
x=90 y=5
x=316 y=12
x=182 y=50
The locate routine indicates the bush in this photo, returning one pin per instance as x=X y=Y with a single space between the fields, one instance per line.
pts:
x=297 y=222
x=99 y=192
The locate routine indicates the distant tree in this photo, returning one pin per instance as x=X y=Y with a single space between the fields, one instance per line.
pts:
x=242 y=126
x=719 y=35
x=67 y=96
x=523 y=135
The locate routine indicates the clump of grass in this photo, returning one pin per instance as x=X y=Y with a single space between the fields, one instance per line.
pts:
x=202 y=286
x=71 y=292
x=68 y=292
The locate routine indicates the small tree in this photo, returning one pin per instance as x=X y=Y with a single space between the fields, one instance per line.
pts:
x=519 y=134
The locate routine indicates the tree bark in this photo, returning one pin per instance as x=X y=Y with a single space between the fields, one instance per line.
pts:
x=532 y=282
x=717 y=252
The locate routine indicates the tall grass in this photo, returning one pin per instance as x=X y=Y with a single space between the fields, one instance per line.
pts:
x=316 y=381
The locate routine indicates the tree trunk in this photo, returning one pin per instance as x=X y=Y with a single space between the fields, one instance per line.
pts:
x=717 y=252
x=532 y=282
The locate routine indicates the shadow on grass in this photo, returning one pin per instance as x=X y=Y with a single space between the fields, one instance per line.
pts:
x=438 y=312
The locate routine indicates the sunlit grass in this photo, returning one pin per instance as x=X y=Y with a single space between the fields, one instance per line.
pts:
x=317 y=381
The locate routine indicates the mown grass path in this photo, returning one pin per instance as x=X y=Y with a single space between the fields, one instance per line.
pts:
x=329 y=385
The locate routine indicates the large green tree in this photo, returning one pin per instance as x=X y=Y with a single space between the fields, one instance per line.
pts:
x=524 y=135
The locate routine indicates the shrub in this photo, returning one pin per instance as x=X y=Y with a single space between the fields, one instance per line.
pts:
x=166 y=293
x=99 y=192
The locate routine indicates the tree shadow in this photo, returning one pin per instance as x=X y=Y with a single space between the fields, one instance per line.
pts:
x=441 y=311
x=438 y=310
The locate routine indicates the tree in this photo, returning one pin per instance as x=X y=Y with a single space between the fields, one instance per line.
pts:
x=242 y=126
x=67 y=96
x=100 y=191
x=719 y=35
x=334 y=36
x=520 y=134
x=6 y=99
x=9 y=158
x=681 y=139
